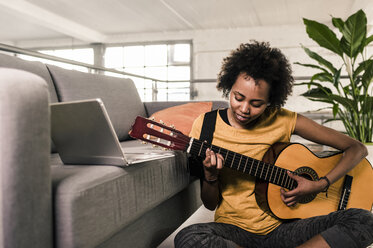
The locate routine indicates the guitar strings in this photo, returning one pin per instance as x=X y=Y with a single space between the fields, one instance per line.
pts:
x=279 y=177
x=254 y=165
x=333 y=194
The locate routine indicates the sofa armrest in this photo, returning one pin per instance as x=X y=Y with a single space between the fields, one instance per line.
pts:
x=25 y=182
x=152 y=107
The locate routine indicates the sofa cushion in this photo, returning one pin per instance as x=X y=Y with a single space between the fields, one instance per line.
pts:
x=119 y=95
x=92 y=203
x=182 y=116
x=34 y=67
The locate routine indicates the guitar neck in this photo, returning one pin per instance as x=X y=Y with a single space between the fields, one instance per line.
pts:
x=171 y=138
x=259 y=169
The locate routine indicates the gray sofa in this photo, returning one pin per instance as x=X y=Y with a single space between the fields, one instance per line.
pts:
x=45 y=203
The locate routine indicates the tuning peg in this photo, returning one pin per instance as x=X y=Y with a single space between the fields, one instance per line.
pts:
x=160 y=121
x=155 y=146
x=151 y=118
x=165 y=149
x=144 y=142
x=172 y=126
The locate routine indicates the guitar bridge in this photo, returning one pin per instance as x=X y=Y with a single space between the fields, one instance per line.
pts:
x=345 y=195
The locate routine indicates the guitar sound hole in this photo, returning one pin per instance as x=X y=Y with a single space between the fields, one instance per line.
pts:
x=309 y=174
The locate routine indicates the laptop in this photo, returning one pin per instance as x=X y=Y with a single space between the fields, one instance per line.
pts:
x=83 y=134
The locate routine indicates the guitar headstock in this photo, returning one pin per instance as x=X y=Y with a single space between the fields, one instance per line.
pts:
x=159 y=134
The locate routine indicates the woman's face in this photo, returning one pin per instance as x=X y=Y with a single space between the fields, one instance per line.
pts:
x=248 y=100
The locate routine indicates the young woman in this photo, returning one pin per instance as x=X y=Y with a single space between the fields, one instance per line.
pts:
x=257 y=79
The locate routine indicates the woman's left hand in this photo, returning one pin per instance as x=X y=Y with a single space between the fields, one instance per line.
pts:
x=305 y=187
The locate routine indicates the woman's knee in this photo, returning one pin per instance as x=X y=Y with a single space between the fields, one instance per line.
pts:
x=359 y=223
x=191 y=235
x=358 y=215
x=205 y=234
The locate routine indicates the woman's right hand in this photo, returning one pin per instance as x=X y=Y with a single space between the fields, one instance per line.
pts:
x=212 y=164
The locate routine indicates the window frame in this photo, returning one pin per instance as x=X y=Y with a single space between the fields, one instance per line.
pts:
x=170 y=63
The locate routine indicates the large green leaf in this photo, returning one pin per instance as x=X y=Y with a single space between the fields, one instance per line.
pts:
x=346 y=103
x=338 y=23
x=368 y=75
x=354 y=32
x=367 y=103
x=319 y=91
x=368 y=40
x=363 y=66
x=346 y=47
x=367 y=107
x=323 y=36
x=335 y=110
x=320 y=59
x=322 y=77
x=310 y=84
x=319 y=99
x=347 y=89
x=312 y=66
x=319 y=94
x=325 y=95
x=336 y=78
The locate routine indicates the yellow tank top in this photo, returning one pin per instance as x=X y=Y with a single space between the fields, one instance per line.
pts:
x=238 y=205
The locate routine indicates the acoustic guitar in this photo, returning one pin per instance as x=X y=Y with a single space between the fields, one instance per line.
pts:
x=355 y=190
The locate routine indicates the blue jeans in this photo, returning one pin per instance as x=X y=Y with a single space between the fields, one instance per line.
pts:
x=348 y=228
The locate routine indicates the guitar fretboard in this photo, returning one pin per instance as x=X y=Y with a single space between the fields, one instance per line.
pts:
x=259 y=169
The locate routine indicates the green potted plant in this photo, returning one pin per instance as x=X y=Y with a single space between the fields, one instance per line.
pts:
x=348 y=97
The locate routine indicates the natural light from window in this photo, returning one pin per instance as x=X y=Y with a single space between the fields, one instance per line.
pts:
x=167 y=62
x=84 y=55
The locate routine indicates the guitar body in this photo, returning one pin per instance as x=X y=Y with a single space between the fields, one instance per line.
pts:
x=298 y=158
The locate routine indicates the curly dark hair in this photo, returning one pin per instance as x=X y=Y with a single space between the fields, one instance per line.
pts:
x=261 y=62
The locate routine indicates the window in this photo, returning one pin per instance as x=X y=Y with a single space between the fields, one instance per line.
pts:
x=84 y=55
x=170 y=63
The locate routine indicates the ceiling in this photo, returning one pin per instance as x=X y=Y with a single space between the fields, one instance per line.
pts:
x=98 y=20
